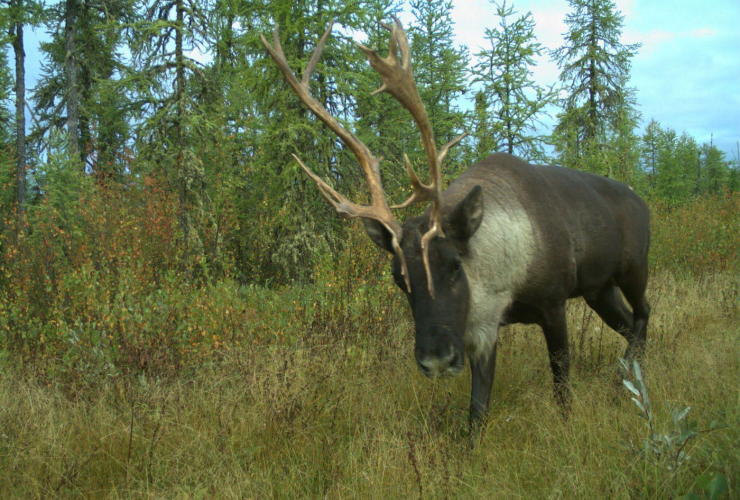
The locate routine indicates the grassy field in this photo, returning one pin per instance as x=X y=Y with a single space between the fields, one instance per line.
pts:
x=342 y=412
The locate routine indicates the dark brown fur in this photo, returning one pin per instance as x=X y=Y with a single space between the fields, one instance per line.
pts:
x=592 y=237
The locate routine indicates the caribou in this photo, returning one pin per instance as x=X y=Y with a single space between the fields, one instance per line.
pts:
x=507 y=241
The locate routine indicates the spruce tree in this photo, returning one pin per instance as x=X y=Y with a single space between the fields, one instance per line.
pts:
x=595 y=67
x=650 y=149
x=14 y=17
x=174 y=122
x=440 y=69
x=715 y=168
x=88 y=86
x=513 y=97
x=487 y=141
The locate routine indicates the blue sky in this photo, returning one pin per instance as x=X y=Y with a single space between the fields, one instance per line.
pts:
x=687 y=73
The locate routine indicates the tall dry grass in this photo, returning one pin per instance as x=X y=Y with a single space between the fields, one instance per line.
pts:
x=347 y=415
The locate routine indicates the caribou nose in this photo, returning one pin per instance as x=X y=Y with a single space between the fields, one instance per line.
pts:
x=434 y=366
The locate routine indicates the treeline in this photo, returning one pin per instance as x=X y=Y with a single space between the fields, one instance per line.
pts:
x=165 y=128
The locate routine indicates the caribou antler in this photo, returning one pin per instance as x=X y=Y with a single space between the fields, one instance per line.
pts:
x=378 y=209
x=398 y=80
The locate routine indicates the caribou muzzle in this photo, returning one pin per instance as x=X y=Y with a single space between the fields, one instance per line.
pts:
x=439 y=357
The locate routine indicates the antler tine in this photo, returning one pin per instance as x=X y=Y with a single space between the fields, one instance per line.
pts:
x=343 y=206
x=446 y=148
x=316 y=56
x=420 y=192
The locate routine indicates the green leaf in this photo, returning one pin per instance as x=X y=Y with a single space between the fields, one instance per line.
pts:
x=717 y=486
x=677 y=414
x=624 y=365
x=703 y=481
x=629 y=385
x=639 y=405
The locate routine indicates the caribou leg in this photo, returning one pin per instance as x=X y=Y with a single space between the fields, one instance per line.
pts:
x=610 y=307
x=633 y=286
x=556 y=335
x=482 y=372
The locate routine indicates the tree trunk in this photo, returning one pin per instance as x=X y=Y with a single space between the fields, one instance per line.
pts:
x=698 y=173
x=591 y=124
x=20 y=116
x=84 y=88
x=178 y=129
x=71 y=72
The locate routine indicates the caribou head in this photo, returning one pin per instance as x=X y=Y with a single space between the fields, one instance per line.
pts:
x=428 y=251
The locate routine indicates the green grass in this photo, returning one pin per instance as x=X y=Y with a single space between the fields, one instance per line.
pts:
x=339 y=410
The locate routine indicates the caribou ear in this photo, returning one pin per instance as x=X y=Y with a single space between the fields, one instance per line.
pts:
x=378 y=233
x=465 y=218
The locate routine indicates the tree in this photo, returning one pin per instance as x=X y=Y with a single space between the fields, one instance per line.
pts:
x=733 y=182
x=650 y=149
x=595 y=69
x=486 y=140
x=16 y=35
x=6 y=86
x=513 y=97
x=14 y=17
x=70 y=66
x=173 y=121
x=86 y=84
x=715 y=168
x=440 y=68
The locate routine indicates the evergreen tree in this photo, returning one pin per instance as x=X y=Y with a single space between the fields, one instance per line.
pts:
x=650 y=149
x=70 y=70
x=595 y=69
x=440 y=69
x=15 y=15
x=666 y=177
x=174 y=121
x=486 y=140
x=6 y=86
x=514 y=99
x=86 y=84
x=622 y=147
x=686 y=155
x=715 y=168
x=733 y=181
x=16 y=33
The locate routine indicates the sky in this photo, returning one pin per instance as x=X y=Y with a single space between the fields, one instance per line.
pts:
x=687 y=72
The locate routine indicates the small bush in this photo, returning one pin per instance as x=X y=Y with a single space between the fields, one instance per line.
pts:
x=698 y=237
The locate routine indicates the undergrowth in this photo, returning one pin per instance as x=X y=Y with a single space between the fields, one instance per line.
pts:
x=329 y=404
x=121 y=376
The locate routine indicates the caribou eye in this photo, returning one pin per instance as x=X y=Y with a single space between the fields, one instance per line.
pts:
x=457 y=267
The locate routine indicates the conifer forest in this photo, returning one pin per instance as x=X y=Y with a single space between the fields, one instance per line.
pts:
x=184 y=316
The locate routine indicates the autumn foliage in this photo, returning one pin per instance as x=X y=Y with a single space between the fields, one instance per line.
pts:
x=99 y=283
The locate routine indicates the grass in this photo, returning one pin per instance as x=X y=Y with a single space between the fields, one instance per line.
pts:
x=342 y=412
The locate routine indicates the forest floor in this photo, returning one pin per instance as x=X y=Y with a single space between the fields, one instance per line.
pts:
x=346 y=414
